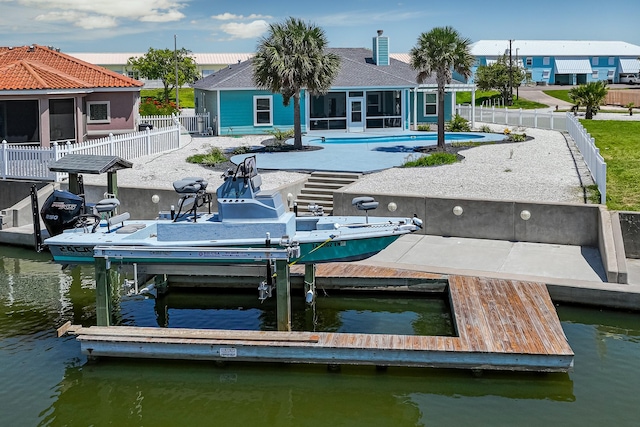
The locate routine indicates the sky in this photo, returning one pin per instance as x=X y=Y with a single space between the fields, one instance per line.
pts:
x=219 y=26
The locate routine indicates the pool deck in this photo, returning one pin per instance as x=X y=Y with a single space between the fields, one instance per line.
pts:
x=339 y=157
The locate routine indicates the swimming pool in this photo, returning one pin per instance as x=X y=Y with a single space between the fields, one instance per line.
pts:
x=423 y=138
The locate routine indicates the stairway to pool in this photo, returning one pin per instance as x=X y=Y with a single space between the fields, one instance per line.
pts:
x=319 y=189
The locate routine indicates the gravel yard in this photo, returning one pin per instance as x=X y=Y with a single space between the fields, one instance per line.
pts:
x=541 y=170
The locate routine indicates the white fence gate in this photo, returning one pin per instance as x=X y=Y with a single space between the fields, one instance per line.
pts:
x=198 y=123
x=32 y=162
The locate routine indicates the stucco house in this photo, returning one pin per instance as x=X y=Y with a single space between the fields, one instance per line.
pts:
x=372 y=91
x=564 y=61
x=48 y=96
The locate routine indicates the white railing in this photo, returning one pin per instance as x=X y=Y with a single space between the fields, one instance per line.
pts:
x=591 y=154
x=198 y=123
x=22 y=162
x=525 y=118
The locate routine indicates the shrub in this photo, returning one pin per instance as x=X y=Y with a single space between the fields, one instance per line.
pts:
x=213 y=157
x=458 y=124
x=424 y=127
x=485 y=129
x=243 y=149
x=153 y=107
x=518 y=137
x=434 y=159
x=281 y=135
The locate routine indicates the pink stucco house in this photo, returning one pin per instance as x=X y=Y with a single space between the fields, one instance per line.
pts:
x=47 y=96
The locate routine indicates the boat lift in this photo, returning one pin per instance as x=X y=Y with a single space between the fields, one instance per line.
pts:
x=105 y=256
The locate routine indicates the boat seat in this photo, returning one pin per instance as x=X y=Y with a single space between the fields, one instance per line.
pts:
x=365 y=203
x=190 y=185
x=106 y=205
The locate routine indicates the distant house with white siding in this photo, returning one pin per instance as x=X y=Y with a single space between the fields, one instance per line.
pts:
x=564 y=62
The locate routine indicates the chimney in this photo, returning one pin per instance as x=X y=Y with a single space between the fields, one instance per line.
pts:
x=381 y=49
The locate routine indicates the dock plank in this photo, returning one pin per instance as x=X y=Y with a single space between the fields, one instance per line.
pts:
x=500 y=324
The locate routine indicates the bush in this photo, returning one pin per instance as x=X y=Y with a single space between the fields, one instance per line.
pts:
x=458 y=124
x=213 y=157
x=517 y=137
x=281 y=135
x=485 y=129
x=424 y=127
x=153 y=107
x=434 y=159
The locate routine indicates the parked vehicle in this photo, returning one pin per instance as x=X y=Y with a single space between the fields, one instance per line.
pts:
x=631 y=79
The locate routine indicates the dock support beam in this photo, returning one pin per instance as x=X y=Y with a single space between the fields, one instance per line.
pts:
x=283 y=296
x=103 y=291
x=310 y=283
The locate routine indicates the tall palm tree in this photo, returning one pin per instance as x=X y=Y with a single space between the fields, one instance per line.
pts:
x=290 y=58
x=441 y=51
x=590 y=95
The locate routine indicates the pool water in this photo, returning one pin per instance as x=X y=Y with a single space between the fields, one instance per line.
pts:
x=423 y=138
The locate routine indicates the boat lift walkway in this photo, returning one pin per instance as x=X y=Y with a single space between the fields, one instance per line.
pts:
x=499 y=325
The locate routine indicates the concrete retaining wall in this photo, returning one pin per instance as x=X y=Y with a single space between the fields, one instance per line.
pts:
x=560 y=224
x=630 y=224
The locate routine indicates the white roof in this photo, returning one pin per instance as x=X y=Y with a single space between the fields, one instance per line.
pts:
x=200 y=58
x=629 y=66
x=573 y=66
x=495 y=48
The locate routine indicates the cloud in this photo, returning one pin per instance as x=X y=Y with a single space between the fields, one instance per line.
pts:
x=245 y=31
x=233 y=17
x=90 y=14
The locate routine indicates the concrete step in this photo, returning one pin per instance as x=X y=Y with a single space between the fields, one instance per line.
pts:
x=325 y=197
x=352 y=176
x=330 y=180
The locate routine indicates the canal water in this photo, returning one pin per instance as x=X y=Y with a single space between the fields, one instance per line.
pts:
x=47 y=381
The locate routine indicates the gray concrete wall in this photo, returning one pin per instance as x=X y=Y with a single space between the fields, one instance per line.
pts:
x=630 y=224
x=565 y=224
x=12 y=192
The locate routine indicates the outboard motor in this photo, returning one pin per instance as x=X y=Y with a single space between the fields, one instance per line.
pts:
x=61 y=211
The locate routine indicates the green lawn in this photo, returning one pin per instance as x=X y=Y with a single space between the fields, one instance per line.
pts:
x=562 y=95
x=186 y=96
x=619 y=145
x=482 y=96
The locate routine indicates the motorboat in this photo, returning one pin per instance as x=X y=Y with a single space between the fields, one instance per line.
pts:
x=247 y=217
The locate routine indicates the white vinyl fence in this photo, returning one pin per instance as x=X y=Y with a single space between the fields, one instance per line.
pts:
x=32 y=162
x=531 y=119
x=198 y=123
x=591 y=154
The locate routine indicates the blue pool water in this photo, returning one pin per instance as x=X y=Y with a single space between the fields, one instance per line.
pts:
x=422 y=138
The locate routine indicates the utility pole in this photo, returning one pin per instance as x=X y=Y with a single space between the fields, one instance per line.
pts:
x=175 y=58
x=510 y=75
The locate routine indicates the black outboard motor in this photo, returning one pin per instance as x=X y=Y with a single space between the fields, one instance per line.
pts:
x=61 y=211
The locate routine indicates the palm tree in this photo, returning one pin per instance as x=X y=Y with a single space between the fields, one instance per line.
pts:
x=290 y=58
x=590 y=95
x=441 y=51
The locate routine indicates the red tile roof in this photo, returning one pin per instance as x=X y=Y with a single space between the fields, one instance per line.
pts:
x=39 y=67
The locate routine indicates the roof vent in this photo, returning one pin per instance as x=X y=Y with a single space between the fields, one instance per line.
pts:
x=380 y=32
x=32 y=48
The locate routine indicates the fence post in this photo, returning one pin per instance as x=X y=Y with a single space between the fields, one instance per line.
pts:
x=535 y=119
x=506 y=116
x=493 y=114
x=5 y=161
x=551 y=120
x=520 y=118
x=111 y=144
x=148 y=137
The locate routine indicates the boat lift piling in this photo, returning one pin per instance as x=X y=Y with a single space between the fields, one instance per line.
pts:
x=210 y=256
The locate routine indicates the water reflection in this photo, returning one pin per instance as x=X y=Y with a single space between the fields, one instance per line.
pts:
x=151 y=393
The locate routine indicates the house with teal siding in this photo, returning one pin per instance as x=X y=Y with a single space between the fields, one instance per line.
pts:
x=372 y=91
x=563 y=62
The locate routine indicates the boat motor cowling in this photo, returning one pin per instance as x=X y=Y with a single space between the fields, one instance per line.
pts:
x=61 y=211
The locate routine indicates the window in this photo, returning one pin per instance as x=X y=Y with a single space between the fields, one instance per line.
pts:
x=612 y=60
x=594 y=60
x=610 y=74
x=546 y=60
x=262 y=114
x=430 y=104
x=594 y=74
x=529 y=62
x=98 y=112
x=545 y=74
x=133 y=75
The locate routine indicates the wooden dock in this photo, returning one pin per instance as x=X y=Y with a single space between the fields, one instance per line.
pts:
x=500 y=325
